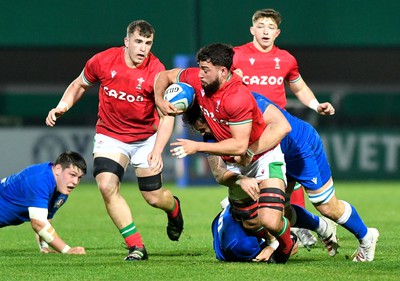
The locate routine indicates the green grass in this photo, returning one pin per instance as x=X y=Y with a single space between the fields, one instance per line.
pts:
x=83 y=221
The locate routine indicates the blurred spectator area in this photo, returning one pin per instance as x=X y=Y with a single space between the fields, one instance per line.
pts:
x=362 y=83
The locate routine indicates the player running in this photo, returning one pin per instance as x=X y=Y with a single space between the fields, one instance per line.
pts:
x=126 y=131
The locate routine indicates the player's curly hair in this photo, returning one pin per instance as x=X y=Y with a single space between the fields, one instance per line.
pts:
x=191 y=115
x=218 y=54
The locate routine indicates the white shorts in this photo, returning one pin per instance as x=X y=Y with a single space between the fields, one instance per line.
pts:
x=270 y=165
x=137 y=152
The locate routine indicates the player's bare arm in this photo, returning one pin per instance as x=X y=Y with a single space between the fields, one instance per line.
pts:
x=307 y=97
x=43 y=246
x=71 y=96
x=48 y=234
x=164 y=133
x=233 y=180
x=237 y=145
x=161 y=83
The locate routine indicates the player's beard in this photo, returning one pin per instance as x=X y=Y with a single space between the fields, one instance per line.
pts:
x=211 y=87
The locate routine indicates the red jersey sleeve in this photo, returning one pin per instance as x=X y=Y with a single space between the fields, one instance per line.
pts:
x=91 y=69
x=293 y=74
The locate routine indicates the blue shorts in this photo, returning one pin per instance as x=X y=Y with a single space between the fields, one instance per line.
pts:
x=306 y=160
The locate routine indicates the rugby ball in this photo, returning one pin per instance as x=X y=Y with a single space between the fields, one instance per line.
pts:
x=180 y=94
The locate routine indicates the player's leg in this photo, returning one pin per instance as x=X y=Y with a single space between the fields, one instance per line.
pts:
x=271 y=205
x=297 y=196
x=108 y=173
x=305 y=237
x=272 y=171
x=340 y=211
x=155 y=195
x=325 y=228
x=108 y=170
x=346 y=215
x=150 y=186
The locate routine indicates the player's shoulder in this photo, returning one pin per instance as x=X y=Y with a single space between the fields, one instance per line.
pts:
x=154 y=62
x=107 y=56
x=245 y=48
x=278 y=51
x=153 y=58
x=236 y=89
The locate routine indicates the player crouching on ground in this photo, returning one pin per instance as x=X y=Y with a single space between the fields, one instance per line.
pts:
x=36 y=193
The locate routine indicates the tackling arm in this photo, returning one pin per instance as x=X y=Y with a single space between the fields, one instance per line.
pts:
x=277 y=128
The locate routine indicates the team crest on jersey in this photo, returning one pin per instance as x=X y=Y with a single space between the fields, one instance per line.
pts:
x=217 y=106
x=113 y=73
x=59 y=202
x=140 y=82
x=277 y=60
x=252 y=60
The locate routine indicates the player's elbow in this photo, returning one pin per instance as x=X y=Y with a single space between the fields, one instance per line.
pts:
x=218 y=178
x=241 y=149
x=36 y=225
x=286 y=128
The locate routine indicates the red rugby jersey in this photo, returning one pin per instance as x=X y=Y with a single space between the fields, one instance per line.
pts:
x=233 y=103
x=266 y=72
x=127 y=110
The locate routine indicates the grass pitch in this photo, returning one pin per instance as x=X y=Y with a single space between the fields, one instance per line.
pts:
x=83 y=221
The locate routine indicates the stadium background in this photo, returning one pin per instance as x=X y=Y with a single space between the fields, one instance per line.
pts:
x=348 y=52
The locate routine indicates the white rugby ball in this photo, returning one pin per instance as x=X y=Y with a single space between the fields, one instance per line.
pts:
x=180 y=94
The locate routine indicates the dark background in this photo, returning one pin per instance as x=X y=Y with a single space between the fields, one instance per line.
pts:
x=348 y=51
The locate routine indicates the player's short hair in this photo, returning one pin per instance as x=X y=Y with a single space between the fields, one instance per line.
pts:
x=191 y=115
x=267 y=13
x=68 y=158
x=218 y=54
x=145 y=29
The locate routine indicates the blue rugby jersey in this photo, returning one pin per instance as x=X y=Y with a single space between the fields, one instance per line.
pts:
x=34 y=186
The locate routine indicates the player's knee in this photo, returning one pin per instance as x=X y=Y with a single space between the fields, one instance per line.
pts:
x=153 y=198
x=332 y=209
x=107 y=189
x=271 y=220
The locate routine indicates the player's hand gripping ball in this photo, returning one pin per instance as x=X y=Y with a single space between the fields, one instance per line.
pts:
x=181 y=95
